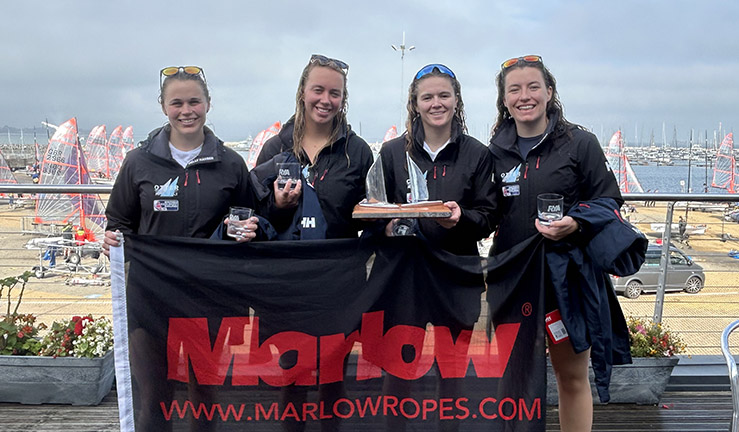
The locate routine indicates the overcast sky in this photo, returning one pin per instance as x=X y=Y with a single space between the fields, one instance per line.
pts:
x=629 y=64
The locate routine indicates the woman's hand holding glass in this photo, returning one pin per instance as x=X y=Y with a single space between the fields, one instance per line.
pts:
x=558 y=229
x=288 y=194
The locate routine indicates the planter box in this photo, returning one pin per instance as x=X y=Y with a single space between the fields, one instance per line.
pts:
x=61 y=380
x=641 y=382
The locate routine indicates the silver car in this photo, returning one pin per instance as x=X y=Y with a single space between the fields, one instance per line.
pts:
x=682 y=274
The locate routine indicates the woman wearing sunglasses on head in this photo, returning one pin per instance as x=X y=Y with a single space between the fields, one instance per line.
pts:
x=333 y=160
x=457 y=166
x=536 y=150
x=181 y=180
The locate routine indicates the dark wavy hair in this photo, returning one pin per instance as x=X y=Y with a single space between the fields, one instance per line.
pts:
x=412 y=104
x=554 y=106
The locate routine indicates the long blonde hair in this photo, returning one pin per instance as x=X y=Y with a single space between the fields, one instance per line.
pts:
x=339 y=122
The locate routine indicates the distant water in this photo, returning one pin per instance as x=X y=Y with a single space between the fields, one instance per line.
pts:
x=667 y=178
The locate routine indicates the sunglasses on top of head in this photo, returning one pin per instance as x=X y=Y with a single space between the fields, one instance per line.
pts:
x=174 y=70
x=525 y=59
x=430 y=68
x=322 y=60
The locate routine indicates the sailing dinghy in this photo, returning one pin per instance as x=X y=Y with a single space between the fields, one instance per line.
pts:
x=620 y=165
x=724 y=171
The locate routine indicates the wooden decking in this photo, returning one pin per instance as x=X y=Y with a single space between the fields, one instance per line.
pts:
x=677 y=412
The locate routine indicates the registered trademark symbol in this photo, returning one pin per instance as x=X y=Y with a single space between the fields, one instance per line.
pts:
x=526 y=309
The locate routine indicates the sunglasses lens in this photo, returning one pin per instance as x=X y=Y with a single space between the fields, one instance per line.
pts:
x=430 y=68
x=192 y=70
x=532 y=58
x=510 y=62
x=169 y=71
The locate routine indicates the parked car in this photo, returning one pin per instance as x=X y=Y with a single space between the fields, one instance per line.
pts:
x=682 y=274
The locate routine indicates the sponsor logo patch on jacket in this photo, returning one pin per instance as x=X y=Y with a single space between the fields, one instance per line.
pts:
x=166 y=205
x=168 y=189
x=512 y=176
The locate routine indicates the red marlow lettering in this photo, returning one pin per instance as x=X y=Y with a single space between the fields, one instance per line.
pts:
x=390 y=403
x=530 y=415
x=445 y=405
x=334 y=349
x=482 y=406
x=337 y=408
x=461 y=405
x=309 y=409
x=273 y=412
x=398 y=337
x=188 y=342
x=289 y=412
x=451 y=357
x=304 y=370
x=429 y=406
x=362 y=408
x=490 y=359
x=501 y=407
x=369 y=363
x=414 y=404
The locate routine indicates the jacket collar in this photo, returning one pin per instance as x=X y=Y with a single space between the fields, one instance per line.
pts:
x=157 y=144
x=507 y=135
x=419 y=137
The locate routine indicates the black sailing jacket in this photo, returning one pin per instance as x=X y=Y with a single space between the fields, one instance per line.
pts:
x=338 y=178
x=568 y=161
x=154 y=195
x=461 y=172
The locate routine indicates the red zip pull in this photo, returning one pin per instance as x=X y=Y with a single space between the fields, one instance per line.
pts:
x=443 y=173
x=526 y=171
x=187 y=174
x=538 y=158
x=434 y=172
x=324 y=174
x=197 y=174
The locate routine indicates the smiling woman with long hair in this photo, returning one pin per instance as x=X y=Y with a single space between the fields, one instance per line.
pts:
x=457 y=166
x=334 y=160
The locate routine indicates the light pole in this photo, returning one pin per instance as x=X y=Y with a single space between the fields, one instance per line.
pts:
x=402 y=48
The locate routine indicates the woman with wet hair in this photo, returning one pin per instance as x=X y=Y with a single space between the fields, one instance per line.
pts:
x=536 y=150
x=181 y=180
x=457 y=166
x=333 y=160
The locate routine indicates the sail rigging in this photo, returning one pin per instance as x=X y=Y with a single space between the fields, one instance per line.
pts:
x=96 y=150
x=724 y=171
x=6 y=174
x=619 y=162
x=258 y=142
x=64 y=164
x=127 y=140
x=115 y=151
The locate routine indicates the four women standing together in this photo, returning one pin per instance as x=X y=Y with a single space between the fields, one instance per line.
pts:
x=182 y=180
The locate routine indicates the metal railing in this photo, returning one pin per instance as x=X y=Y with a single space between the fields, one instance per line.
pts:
x=699 y=319
x=733 y=374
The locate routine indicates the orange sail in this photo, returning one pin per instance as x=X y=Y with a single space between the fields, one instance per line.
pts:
x=390 y=134
x=96 y=150
x=115 y=151
x=258 y=142
x=724 y=172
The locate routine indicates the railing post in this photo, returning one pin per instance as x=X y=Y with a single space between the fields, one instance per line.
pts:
x=663 y=262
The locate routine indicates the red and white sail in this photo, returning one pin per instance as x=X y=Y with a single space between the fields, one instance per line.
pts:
x=724 y=171
x=619 y=162
x=258 y=142
x=128 y=142
x=115 y=151
x=96 y=150
x=390 y=134
x=64 y=164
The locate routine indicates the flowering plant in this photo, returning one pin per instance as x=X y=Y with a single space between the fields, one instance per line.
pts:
x=78 y=337
x=17 y=331
x=650 y=339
